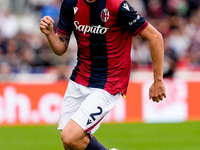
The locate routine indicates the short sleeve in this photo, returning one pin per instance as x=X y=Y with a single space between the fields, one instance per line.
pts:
x=66 y=17
x=130 y=20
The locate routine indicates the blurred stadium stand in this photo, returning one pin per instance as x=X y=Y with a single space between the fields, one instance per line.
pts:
x=26 y=57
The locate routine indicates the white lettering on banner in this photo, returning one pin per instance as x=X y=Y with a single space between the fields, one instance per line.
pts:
x=49 y=107
x=17 y=106
x=172 y=109
x=12 y=102
x=91 y=29
x=2 y=115
x=24 y=108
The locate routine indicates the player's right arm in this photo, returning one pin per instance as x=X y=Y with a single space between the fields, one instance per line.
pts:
x=57 y=42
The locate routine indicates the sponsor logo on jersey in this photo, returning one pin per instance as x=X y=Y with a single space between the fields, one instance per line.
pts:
x=135 y=20
x=90 y=29
x=105 y=15
x=75 y=10
x=126 y=6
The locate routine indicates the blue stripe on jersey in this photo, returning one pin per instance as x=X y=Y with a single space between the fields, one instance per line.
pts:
x=76 y=68
x=74 y=72
x=66 y=20
x=130 y=20
x=98 y=48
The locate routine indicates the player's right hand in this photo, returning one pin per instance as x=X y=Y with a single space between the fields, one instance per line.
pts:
x=46 y=25
x=157 y=91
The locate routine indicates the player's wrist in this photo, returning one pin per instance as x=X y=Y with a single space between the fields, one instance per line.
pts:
x=49 y=34
x=158 y=79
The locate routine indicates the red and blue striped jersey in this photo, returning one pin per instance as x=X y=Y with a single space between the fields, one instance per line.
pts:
x=103 y=30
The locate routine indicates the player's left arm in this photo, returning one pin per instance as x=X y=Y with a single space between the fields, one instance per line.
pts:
x=155 y=39
x=133 y=22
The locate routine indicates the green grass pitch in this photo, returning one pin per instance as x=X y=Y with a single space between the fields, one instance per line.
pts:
x=126 y=136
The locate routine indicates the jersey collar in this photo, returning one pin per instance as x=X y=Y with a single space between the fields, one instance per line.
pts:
x=90 y=3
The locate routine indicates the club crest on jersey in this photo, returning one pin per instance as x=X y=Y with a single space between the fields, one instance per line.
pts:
x=105 y=15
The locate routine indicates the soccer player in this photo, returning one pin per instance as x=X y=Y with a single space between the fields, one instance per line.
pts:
x=103 y=30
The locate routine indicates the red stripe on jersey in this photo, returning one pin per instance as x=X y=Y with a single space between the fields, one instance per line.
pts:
x=83 y=43
x=61 y=32
x=119 y=47
x=141 y=28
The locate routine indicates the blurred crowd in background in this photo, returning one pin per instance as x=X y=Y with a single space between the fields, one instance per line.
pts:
x=23 y=49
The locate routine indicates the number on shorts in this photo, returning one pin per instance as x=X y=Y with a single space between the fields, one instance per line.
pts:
x=95 y=114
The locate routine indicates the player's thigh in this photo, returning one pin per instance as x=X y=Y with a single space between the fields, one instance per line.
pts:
x=72 y=100
x=93 y=109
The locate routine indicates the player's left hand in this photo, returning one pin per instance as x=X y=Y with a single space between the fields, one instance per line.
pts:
x=157 y=91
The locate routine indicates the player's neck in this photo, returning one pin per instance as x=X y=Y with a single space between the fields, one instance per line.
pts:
x=90 y=1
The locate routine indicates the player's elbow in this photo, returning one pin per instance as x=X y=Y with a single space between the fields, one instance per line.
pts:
x=60 y=52
x=157 y=36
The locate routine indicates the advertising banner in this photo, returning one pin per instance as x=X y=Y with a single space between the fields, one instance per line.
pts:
x=29 y=104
